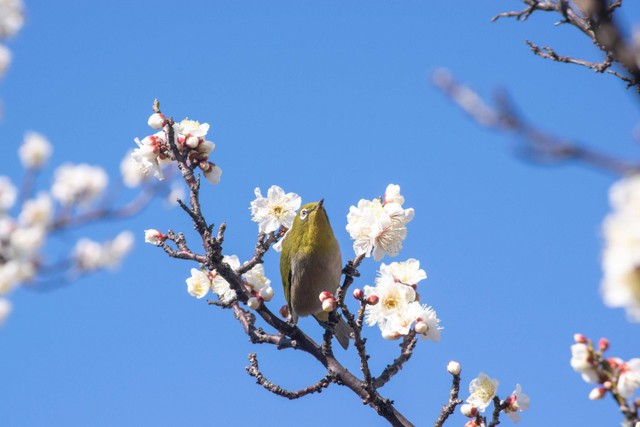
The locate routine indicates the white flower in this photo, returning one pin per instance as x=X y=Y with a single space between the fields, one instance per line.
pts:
x=5 y=59
x=213 y=174
x=393 y=303
x=274 y=210
x=14 y=272
x=34 y=151
x=392 y=195
x=378 y=228
x=191 y=128
x=205 y=148
x=153 y=236
x=156 y=120
x=132 y=175
x=427 y=323
x=581 y=362
x=482 y=390
x=78 y=183
x=407 y=272
x=37 y=212
x=629 y=378
x=26 y=241
x=88 y=255
x=256 y=279
x=146 y=155
x=621 y=255
x=8 y=193
x=115 y=250
x=221 y=286
x=5 y=310
x=198 y=284
x=11 y=17
x=518 y=402
x=454 y=367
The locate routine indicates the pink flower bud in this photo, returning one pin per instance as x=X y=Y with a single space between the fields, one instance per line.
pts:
x=373 y=300
x=253 y=303
x=325 y=295
x=266 y=293
x=581 y=339
x=453 y=367
x=421 y=328
x=192 y=142
x=328 y=304
x=597 y=393
x=154 y=236
x=284 y=311
x=608 y=385
x=468 y=410
x=603 y=344
x=156 y=120
x=358 y=293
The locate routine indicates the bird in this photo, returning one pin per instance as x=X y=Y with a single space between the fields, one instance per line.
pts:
x=311 y=263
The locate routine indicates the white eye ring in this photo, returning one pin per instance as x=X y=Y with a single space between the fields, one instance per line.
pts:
x=303 y=214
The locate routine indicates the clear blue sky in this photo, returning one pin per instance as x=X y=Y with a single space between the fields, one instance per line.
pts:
x=326 y=99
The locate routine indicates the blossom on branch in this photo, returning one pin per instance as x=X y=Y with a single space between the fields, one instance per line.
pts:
x=80 y=183
x=34 y=151
x=90 y=255
x=516 y=403
x=378 y=226
x=275 y=210
x=8 y=193
x=198 y=284
x=482 y=389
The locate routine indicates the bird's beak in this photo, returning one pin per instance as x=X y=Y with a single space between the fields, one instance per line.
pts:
x=320 y=203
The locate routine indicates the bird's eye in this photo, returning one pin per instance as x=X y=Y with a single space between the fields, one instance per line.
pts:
x=303 y=214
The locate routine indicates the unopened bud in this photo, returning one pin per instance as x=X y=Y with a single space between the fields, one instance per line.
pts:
x=468 y=410
x=329 y=304
x=156 y=120
x=253 y=303
x=608 y=385
x=192 y=141
x=154 y=236
x=266 y=293
x=471 y=423
x=453 y=367
x=358 y=293
x=603 y=344
x=581 y=339
x=614 y=362
x=597 y=393
x=284 y=311
x=373 y=300
x=421 y=328
x=325 y=295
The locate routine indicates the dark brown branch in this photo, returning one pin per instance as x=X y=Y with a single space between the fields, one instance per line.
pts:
x=258 y=335
x=406 y=351
x=548 y=53
x=254 y=371
x=454 y=400
x=497 y=408
x=538 y=146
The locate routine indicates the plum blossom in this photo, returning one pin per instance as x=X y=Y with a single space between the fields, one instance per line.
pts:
x=516 y=403
x=80 y=183
x=482 y=389
x=37 y=211
x=8 y=193
x=220 y=286
x=274 y=210
x=582 y=362
x=34 y=151
x=628 y=377
x=198 y=284
x=378 y=226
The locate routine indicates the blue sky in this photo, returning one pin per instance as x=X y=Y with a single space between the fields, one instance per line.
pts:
x=329 y=100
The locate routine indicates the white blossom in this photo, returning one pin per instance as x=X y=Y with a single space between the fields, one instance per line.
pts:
x=482 y=389
x=117 y=248
x=220 y=286
x=5 y=310
x=35 y=150
x=213 y=174
x=88 y=255
x=256 y=279
x=427 y=321
x=156 y=120
x=198 y=284
x=11 y=17
x=392 y=194
x=153 y=236
x=5 y=59
x=37 y=211
x=629 y=378
x=80 y=183
x=132 y=175
x=378 y=228
x=581 y=362
x=274 y=210
x=393 y=302
x=14 y=272
x=8 y=193
x=191 y=128
x=518 y=402
x=26 y=241
x=147 y=157
x=454 y=367
x=621 y=255
x=407 y=272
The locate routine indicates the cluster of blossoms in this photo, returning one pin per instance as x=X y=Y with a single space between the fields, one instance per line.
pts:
x=482 y=391
x=396 y=306
x=621 y=255
x=379 y=226
x=11 y=21
x=259 y=286
x=612 y=374
x=154 y=151
x=24 y=234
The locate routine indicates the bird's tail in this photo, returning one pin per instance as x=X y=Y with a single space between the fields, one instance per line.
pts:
x=341 y=330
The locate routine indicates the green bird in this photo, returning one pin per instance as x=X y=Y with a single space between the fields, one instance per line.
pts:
x=311 y=263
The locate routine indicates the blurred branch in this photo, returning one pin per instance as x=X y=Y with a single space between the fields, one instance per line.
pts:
x=595 y=19
x=538 y=146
